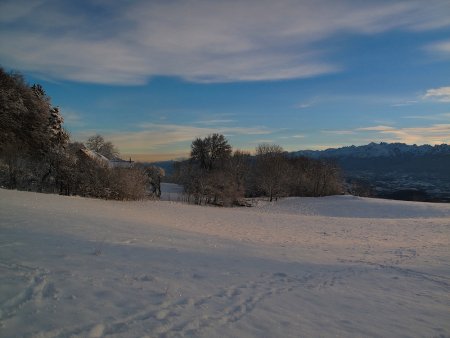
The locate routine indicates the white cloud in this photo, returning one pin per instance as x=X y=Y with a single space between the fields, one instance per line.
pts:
x=201 y=41
x=441 y=94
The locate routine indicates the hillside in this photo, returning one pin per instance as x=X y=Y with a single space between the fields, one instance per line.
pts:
x=335 y=266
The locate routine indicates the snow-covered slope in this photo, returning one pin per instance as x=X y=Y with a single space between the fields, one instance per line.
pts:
x=171 y=192
x=75 y=267
x=353 y=206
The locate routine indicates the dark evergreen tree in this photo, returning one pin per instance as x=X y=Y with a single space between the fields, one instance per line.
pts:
x=31 y=132
x=211 y=152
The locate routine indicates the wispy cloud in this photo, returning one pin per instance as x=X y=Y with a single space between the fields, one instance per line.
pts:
x=435 y=117
x=296 y=136
x=380 y=128
x=441 y=48
x=202 y=131
x=434 y=134
x=14 y=10
x=441 y=94
x=304 y=105
x=405 y=103
x=338 y=132
x=216 y=121
x=128 y=42
x=72 y=119
x=261 y=141
x=155 y=138
x=307 y=104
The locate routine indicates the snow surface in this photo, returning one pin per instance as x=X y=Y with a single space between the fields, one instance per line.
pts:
x=335 y=266
x=171 y=192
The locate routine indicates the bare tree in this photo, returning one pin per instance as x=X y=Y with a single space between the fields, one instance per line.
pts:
x=271 y=170
x=326 y=178
x=239 y=167
x=312 y=177
x=155 y=175
x=98 y=144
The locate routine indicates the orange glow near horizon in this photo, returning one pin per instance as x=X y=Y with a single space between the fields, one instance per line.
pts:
x=154 y=157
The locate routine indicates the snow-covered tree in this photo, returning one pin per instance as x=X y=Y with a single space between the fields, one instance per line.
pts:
x=31 y=132
x=98 y=144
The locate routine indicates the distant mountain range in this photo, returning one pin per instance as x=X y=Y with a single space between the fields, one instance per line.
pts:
x=376 y=150
x=391 y=170
x=382 y=158
x=394 y=170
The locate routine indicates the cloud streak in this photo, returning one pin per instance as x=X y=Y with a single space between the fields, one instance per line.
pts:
x=154 y=138
x=441 y=48
x=434 y=134
x=436 y=117
x=200 y=41
x=441 y=94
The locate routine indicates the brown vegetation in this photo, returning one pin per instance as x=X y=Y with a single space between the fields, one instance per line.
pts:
x=36 y=153
x=231 y=177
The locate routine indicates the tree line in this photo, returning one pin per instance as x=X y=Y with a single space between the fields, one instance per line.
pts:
x=36 y=153
x=215 y=174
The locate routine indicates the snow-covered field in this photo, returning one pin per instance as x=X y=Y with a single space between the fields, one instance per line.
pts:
x=336 y=266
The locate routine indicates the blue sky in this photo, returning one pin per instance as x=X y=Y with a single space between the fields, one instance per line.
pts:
x=152 y=75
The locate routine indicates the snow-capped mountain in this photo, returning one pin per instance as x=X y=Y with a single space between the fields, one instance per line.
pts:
x=375 y=150
x=391 y=168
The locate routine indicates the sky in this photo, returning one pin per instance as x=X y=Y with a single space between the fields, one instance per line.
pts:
x=151 y=76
